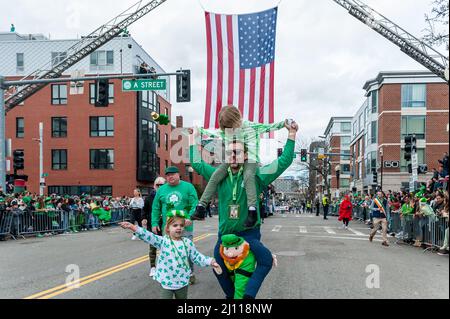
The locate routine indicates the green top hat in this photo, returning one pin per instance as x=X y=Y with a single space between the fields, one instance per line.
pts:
x=232 y=241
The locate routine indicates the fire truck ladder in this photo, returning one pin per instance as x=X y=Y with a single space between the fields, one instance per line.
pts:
x=82 y=49
x=415 y=48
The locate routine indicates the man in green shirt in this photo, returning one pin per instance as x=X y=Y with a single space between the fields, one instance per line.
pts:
x=233 y=208
x=175 y=195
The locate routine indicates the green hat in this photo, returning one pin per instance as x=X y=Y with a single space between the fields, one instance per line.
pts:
x=423 y=200
x=172 y=170
x=177 y=213
x=232 y=241
x=48 y=199
x=2 y=200
x=26 y=199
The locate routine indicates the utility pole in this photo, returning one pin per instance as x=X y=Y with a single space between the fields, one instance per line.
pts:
x=382 y=166
x=41 y=159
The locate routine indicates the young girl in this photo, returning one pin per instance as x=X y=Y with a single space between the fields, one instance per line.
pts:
x=173 y=270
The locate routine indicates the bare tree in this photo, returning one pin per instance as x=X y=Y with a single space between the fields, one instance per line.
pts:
x=436 y=34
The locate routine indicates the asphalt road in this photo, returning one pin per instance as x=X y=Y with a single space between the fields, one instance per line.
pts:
x=316 y=260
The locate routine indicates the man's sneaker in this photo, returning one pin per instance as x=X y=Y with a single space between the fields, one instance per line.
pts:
x=133 y=238
x=252 y=218
x=152 y=272
x=192 y=280
x=200 y=213
x=443 y=252
x=385 y=244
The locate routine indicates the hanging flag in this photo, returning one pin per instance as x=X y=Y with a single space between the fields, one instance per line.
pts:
x=241 y=65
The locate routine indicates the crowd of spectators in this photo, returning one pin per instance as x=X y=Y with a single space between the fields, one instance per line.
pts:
x=54 y=214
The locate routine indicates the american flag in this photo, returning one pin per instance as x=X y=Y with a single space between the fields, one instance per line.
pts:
x=241 y=65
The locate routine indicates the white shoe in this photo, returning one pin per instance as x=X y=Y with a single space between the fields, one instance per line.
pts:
x=346 y=227
x=133 y=238
x=152 y=272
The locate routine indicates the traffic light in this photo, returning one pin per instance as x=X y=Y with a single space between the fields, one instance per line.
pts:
x=280 y=152
x=375 y=176
x=423 y=169
x=304 y=155
x=18 y=160
x=410 y=146
x=184 y=87
x=102 y=93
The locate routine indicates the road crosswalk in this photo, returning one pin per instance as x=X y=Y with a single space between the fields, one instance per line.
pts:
x=299 y=229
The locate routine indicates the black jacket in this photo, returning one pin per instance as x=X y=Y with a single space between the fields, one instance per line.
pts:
x=147 y=210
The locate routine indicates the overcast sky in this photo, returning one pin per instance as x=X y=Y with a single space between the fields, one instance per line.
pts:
x=323 y=55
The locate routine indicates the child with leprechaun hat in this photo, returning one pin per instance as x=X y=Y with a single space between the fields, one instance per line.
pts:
x=173 y=271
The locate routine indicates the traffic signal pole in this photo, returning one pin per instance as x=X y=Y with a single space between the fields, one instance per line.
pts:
x=2 y=136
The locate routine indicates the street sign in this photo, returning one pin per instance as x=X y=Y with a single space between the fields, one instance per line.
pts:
x=415 y=161
x=144 y=85
x=44 y=175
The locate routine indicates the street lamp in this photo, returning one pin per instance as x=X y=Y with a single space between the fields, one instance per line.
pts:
x=41 y=158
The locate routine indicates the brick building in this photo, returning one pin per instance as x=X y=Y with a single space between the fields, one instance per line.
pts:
x=337 y=140
x=87 y=149
x=399 y=104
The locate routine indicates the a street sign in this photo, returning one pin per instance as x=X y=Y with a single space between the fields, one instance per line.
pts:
x=415 y=161
x=144 y=85
x=44 y=175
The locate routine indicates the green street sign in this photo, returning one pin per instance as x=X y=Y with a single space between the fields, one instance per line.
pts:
x=144 y=85
x=44 y=175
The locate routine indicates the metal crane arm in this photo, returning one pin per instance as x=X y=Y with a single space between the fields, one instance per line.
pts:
x=82 y=49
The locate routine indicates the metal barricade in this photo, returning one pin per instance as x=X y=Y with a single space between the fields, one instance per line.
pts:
x=30 y=223
x=5 y=224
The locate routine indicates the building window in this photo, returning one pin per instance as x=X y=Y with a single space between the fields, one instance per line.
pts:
x=166 y=111
x=167 y=163
x=355 y=129
x=59 y=160
x=59 y=94
x=404 y=163
x=102 y=126
x=345 y=169
x=20 y=127
x=166 y=141
x=149 y=100
x=59 y=127
x=20 y=62
x=344 y=182
x=102 y=159
x=102 y=58
x=93 y=95
x=374 y=98
x=345 y=142
x=414 y=95
x=373 y=160
x=58 y=57
x=79 y=190
x=414 y=125
x=374 y=132
x=346 y=127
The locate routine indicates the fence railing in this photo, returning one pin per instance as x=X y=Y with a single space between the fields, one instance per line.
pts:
x=428 y=230
x=58 y=221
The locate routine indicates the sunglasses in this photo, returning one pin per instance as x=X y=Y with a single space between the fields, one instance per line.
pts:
x=237 y=152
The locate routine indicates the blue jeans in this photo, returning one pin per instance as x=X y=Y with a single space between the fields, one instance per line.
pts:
x=264 y=261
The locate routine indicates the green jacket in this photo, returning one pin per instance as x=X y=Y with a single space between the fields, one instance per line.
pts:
x=264 y=177
x=180 y=197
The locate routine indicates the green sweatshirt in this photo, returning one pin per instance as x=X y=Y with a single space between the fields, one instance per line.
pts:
x=249 y=133
x=264 y=176
x=407 y=210
x=180 y=197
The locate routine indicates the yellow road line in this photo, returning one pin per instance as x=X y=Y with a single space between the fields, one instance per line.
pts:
x=94 y=277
